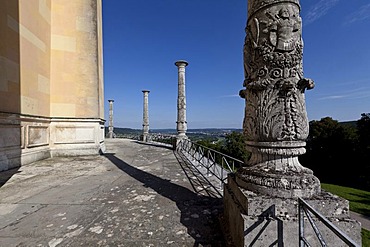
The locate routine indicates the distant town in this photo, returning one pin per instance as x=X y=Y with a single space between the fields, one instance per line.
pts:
x=211 y=134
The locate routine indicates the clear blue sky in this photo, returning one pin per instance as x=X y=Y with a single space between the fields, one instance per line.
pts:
x=143 y=39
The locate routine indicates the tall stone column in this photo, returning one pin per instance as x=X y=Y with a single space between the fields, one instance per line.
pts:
x=181 y=101
x=275 y=128
x=110 y=127
x=145 y=136
x=275 y=122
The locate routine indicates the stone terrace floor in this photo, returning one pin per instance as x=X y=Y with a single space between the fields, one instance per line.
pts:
x=135 y=195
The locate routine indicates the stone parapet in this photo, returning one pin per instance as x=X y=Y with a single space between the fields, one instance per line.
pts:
x=261 y=220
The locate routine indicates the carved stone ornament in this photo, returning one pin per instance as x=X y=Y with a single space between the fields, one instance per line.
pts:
x=275 y=122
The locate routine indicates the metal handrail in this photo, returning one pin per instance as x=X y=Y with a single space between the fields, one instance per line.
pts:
x=216 y=163
x=168 y=140
x=305 y=208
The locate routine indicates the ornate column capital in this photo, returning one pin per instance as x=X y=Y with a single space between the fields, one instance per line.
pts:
x=181 y=63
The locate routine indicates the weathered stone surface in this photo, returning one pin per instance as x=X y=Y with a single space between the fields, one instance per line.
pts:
x=136 y=195
x=275 y=122
x=110 y=126
x=63 y=90
x=261 y=200
x=278 y=184
x=181 y=101
x=246 y=213
x=145 y=136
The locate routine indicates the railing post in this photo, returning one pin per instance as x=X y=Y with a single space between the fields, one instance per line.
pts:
x=209 y=160
x=222 y=173
x=301 y=224
x=208 y=164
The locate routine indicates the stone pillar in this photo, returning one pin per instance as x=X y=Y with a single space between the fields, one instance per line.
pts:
x=275 y=127
x=181 y=101
x=145 y=136
x=110 y=127
x=275 y=122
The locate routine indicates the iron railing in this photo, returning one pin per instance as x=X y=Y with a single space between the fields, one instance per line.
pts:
x=167 y=140
x=216 y=163
x=305 y=209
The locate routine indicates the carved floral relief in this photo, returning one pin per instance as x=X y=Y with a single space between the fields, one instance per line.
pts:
x=274 y=82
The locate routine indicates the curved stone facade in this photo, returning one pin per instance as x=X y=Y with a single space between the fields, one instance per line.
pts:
x=51 y=80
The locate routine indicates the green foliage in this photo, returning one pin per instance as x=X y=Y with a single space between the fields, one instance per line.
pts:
x=365 y=237
x=359 y=200
x=363 y=126
x=233 y=145
x=332 y=147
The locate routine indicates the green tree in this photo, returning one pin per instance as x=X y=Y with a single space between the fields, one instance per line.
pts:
x=363 y=126
x=331 y=148
x=235 y=146
x=210 y=143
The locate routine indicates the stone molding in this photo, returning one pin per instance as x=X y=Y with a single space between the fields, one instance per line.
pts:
x=25 y=139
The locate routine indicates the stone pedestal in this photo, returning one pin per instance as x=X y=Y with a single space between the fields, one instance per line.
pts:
x=259 y=220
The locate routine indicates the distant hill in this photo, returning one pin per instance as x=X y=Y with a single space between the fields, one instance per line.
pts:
x=205 y=131
x=349 y=123
x=124 y=131
x=213 y=133
x=118 y=130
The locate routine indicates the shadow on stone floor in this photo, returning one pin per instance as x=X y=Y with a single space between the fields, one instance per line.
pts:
x=159 y=145
x=199 y=181
x=6 y=175
x=199 y=214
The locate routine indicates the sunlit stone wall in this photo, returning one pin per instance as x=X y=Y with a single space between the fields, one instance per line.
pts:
x=51 y=81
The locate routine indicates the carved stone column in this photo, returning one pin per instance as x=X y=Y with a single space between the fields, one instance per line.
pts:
x=110 y=127
x=260 y=200
x=181 y=101
x=145 y=136
x=275 y=123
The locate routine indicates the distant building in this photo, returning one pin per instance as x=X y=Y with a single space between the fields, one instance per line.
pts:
x=51 y=80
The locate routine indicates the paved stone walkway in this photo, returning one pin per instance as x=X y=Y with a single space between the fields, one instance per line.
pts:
x=136 y=195
x=365 y=221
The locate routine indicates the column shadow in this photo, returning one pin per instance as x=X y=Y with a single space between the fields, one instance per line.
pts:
x=157 y=144
x=6 y=175
x=268 y=216
x=11 y=131
x=198 y=180
x=199 y=214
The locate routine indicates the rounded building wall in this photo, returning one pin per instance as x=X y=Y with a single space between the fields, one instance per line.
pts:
x=51 y=85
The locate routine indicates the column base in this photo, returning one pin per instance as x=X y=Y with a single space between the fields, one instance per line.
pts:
x=278 y=184
x=246 y=215
x=145 y=138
